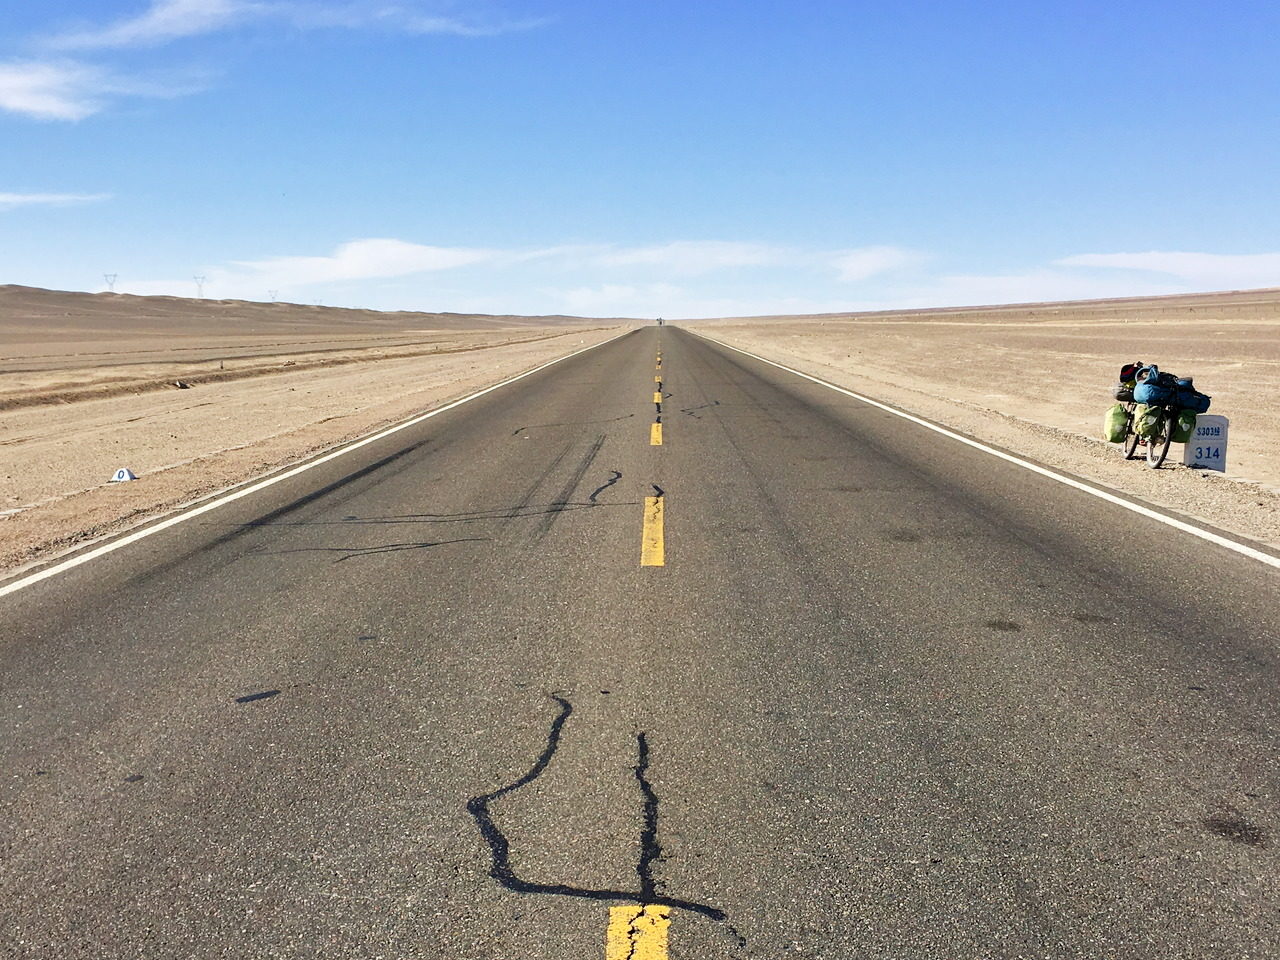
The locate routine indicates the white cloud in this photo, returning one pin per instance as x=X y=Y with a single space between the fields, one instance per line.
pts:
x=168 y=20
x=163 y=21
x=358 y=260
x=617 y=298
x=9 y=201
x=1033 y=286
x=408 y=17
x=66 y=90
x=867 y=262
x=681 y=278
x=51 y=91
x=1196 y=269
x=693 y=257
x=61 y=89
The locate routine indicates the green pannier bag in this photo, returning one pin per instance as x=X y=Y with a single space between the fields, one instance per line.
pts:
x=1146 y=420
x=1115 y=424
x=1185 y=426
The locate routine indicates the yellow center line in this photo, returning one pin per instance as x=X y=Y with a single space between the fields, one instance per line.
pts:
x=637 y=933
x=655 y=435
x=652 y=553
x=657 y=396
x=658 y=378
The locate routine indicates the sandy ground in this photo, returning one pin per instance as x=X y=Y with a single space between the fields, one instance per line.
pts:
x=1037 y=381
x=75 y=405
x=87 y=385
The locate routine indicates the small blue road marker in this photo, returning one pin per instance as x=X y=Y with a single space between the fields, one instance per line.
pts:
x=123 y=474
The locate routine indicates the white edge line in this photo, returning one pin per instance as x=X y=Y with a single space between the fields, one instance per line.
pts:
x=1240 y=548
x=178 y=518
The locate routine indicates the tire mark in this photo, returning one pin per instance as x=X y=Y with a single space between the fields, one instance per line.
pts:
x=349 y=553
x=522 y=504
x=570 y=423
x=562 y=501
x=690 y=410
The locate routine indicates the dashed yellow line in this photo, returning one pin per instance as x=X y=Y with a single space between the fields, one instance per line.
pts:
x=652 y=552
x=637 y=932
x=655 y=435
x=657 y=396
x=658 y=378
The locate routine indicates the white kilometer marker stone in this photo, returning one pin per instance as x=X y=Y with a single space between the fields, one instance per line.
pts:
x=1241 y=548
x=123 y=474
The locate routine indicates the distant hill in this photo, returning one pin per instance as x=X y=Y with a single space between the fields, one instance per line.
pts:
x=1228 y=304
x=35 y=312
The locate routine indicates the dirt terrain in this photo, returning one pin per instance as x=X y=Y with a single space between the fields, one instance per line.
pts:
x=195 y=396
x=1036 y=379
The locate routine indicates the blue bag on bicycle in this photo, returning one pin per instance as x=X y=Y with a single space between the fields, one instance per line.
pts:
x=1155 y=387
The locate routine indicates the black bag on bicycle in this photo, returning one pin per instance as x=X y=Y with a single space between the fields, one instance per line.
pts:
x=1189 y=398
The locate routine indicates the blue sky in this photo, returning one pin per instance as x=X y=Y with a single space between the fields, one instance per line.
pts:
x=636 y=158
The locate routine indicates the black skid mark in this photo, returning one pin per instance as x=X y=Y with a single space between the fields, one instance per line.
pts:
x=562 y=502
x=617 y=475
x=500 y=848
x=570 y=423
x=351 y=553
x=658 y=491
x=689 y=410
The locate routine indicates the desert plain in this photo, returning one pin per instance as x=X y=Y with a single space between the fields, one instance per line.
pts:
x=195 y=396
x=1036 y=379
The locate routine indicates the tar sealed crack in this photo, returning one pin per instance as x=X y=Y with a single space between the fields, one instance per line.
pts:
x=650 y=849
x=616 y=476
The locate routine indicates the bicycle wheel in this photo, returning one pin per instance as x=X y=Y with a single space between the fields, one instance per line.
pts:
x=1158 y=445
x=1130 y=438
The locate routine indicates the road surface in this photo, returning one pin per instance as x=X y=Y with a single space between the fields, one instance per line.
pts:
x=802 y=679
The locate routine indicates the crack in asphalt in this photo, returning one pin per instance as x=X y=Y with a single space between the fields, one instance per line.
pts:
x=650 y=848
x=500 y=848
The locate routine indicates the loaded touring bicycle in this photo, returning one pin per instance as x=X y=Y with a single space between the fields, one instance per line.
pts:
x=1154 y=410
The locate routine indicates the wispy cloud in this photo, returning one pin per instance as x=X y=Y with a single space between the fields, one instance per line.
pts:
x=165 y=21
x=1196 y=269
x=358 y=260
x=676 y=278
x=855 y=266
x=693 y=257
x=408 y=17
x=51 y=91
x=51 y=85
x=162 y=22
x=694 y=278
x=68 y=90
x=9 y=201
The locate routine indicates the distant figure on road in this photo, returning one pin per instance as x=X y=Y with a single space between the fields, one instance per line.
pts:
x=659 y=321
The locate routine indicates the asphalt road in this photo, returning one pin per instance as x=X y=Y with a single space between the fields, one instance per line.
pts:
x=887 y=696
